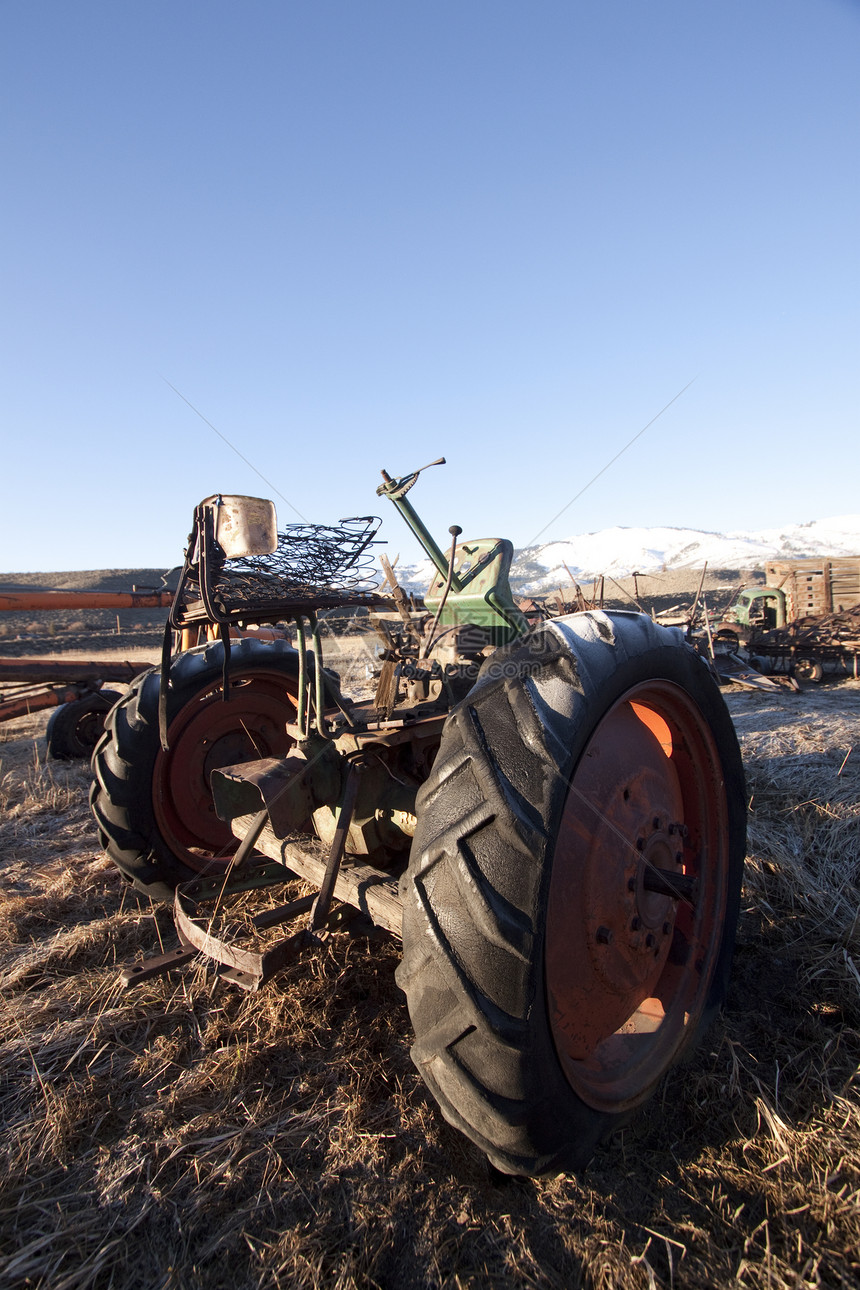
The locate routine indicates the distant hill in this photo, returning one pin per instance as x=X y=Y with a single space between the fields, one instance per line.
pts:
x=617 y=552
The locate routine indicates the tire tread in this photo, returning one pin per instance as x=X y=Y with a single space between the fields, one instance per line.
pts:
x=472 y=964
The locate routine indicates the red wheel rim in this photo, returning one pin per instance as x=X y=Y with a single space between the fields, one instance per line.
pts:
x=628 y=968
x=204 y=735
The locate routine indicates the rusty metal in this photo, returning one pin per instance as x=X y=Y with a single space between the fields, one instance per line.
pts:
x=77 y=679
x=26 y=601
x=157 y=965
x=322 y=905
x=669 y=882
x=83 y=677
x=692 y=620
x=246 y=846
x=288 y=789
x=91 y=671
x=27 y=704
x=404 y=608
x=247 y=968
x=423 y=723
x=748 y=678
x=271 y=917
x=314 y=567
x=278 y=783
x=206 y=734
x=814 y=640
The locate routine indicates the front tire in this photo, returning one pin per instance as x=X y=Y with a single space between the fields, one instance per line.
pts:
x=153 y=808
x=549 y=988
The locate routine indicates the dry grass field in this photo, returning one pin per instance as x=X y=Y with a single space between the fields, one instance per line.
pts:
x=188 y=1135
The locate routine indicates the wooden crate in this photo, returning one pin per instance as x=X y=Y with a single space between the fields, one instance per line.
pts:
x=816 y=586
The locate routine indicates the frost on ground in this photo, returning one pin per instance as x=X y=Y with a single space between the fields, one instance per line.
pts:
x=188 y=1135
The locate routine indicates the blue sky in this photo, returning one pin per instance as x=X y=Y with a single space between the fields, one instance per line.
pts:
x=367 y=233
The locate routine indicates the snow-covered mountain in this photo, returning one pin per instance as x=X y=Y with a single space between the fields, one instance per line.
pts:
x=619 y=551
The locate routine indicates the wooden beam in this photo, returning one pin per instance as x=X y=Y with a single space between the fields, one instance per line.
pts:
x=373 y=891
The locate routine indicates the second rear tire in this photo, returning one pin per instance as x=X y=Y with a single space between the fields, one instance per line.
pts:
x=76 y=727
x=153 y=808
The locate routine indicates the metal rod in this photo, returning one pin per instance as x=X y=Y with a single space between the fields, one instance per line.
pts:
x=18 y=601
x=59 y=669
x=271 y=917
x=399 y=598
x=338 y=846
x=455 y=532
x=665 y=882
x=392 y=489
x=301 y=715
x=708 y=627
x=246 y=846
x=692 y=622
x=319 y=702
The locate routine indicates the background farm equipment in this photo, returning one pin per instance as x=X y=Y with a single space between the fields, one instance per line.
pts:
x=552 y=819
x=805 y=622
x=811 y=646
x=74 y=687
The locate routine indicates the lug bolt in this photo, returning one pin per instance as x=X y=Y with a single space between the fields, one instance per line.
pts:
x=631 y=884
x=640 y=844
x=635 y=924
x=656 y=821
x=679 y=857
x=604 y=936
x=667 y=927
x=649 y=940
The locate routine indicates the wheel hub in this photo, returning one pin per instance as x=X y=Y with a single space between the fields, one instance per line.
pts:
x=658 y=853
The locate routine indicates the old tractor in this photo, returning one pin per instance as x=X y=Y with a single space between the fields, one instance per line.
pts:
x=552 y=819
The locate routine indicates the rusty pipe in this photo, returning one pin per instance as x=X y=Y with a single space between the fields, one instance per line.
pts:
x=61 y=669
x=11 y=708
x=18 y=601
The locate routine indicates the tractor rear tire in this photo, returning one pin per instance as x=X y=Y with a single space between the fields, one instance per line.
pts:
x=548 y=987
x=76 y=727
x=154 y=809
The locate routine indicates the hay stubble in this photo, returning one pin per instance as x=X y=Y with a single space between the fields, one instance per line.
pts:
x=188 y=1135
